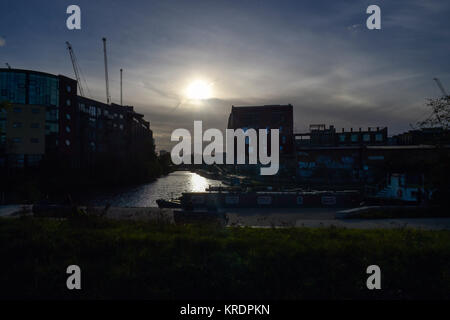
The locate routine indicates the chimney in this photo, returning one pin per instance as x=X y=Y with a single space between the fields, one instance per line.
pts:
x=351 y=129
x=378 y=128
x=359 y=129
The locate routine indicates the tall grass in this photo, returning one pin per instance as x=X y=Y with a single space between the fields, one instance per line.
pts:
x=161 y=261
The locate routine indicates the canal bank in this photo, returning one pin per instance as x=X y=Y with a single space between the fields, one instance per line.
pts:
x=249 y=217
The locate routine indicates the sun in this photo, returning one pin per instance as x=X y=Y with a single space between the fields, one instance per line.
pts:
x=199 y=90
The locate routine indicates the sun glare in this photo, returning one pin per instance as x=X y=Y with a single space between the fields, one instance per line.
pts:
x=199 y=90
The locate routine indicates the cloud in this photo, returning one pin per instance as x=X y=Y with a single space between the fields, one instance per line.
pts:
x=2 y=41
x=318 y=56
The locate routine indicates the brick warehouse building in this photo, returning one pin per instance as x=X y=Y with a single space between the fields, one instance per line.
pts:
x=45 y=117
x=267 y=117
x=327 y=157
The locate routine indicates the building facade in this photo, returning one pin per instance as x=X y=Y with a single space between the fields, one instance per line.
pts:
x=266 y=117
x=42 y=115
x=426 y=136
x=29 y=122
x=325 y=156
x=320 y=135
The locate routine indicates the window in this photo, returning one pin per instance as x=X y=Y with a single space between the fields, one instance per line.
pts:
x=68 y=88
x=17 y=140
x=121 y=116
x=17 y=160
x=67 y=129
x=342 y=138
x=12 y=86
x=354 y=137
x=378 y=137
x=366 y=137
x=17 y=110
x=43 y=90
x=34 y=140
x=67 y=142
x=35 y=110
x=33 y=160
x=67 y=116
x=51 y=114
x=121 y=127
x=34 y=125
x=51 y=128
x=17 y=125
x=68 y=102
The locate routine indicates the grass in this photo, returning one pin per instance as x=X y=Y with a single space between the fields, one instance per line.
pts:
x=160 y=261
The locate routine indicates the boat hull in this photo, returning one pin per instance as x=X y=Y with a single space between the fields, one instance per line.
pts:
x=211 y=200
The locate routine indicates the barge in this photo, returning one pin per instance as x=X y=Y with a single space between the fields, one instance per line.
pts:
x=270 y=199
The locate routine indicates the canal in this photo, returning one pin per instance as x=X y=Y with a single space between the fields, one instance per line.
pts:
x=167 y=187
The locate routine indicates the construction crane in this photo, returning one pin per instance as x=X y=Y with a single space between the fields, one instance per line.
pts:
x=76 y=69
x=121 y=87
x=108 y=98
x=439 y=84
x=7 y=64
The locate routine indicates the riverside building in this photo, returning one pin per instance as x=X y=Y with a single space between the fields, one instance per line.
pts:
x=42 y=116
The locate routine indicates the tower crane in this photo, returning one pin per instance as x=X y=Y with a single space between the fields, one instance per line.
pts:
x=7 y=64
x=121 y=87
x=108 y=98
x=76 y=68
x=439 y=84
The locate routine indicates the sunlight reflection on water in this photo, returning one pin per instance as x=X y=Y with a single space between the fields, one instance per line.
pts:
x=170 y=186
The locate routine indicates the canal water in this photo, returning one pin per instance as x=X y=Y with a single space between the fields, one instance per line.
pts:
x=167 y=187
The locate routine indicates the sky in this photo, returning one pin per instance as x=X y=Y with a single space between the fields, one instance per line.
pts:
x=317 y=55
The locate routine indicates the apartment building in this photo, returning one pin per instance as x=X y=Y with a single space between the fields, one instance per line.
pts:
x=42 y=116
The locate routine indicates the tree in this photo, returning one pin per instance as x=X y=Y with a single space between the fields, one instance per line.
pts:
x=440 y=113
x=439 y=175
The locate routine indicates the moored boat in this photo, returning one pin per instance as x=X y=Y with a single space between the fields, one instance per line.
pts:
x=174 y=203
x=270 y=199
